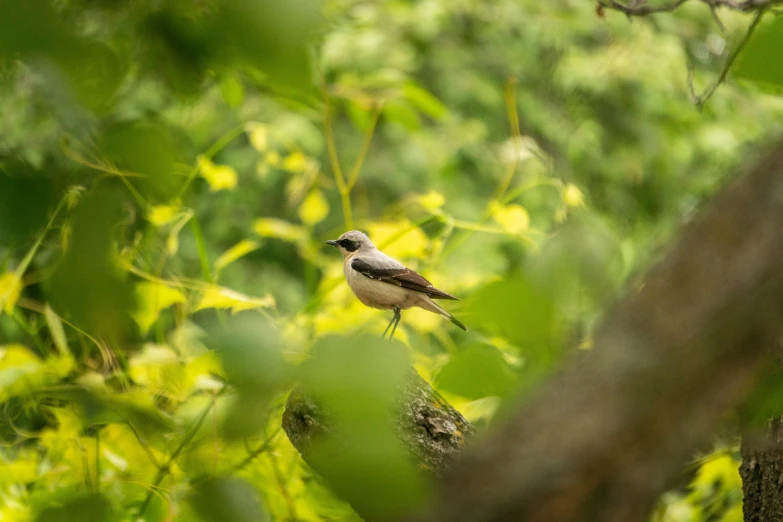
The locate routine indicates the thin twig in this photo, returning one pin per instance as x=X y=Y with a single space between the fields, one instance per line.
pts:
x=330 y=141
x=642 y=9
x=331 y=146
x=258 y=451
x=716 y=17
x=516 y=136
x=357 y=166
x=144 y=446
x=281 y=483
x=97 y=460
x=701 y=100
x=166 y=468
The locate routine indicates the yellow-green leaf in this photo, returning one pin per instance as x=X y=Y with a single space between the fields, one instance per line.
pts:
x=237 y=251
x=424 y=100
x=159 y=215
x=314 y=208
x=258 y=133
x=295 y=162
x=572 y=196
x=56 y=329
x=432 y=201
x=219 y=177
x=399 y=238
x=10 y=290
x=272 y=227
x=172 y=241
x=272 y=158
x=232 y=89
x=513 y=218
x=153 y=298
x=221 y=297
x=21 y=371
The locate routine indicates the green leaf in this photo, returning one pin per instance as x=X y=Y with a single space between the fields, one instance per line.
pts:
x=223 y=499
x=760 y=61
x=87 y=288
x=476 y=372
x=25 y=198
x=232 y=89
x=424 y=100
x=517 y=310
x=146 y=153
x=583 y=260
x=400 y=111
x=152 y=299
x=357 y=380
x=93 y=508
x=272 y=36
x=96 y=406
x=251 y=351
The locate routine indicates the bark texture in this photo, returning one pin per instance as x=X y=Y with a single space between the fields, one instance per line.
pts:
x=431 y=430
x=602 y=440
x=762 y=474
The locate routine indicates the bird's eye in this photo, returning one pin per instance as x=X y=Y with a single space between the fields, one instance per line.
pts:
x=349 y=245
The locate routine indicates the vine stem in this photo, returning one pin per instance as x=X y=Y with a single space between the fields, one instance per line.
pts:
x=345 y=185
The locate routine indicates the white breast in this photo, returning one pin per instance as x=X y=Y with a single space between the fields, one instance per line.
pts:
x=377 y=294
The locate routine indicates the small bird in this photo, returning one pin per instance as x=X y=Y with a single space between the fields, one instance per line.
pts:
x=380 y=281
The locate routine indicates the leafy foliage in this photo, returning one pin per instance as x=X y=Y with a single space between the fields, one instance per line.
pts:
x=169 y=171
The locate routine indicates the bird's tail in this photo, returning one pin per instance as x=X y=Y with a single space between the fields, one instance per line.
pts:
x=430 y=305
x=456 y=321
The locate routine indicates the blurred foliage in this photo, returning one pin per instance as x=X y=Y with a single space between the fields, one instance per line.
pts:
x=167 y=166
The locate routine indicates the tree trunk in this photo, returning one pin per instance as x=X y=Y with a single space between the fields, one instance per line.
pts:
x=762 y=474
x=432 y=432
x=603 y=439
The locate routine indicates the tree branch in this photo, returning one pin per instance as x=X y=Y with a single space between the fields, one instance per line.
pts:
x=604 y=438
x=641 y=8
x=637 y=8
x=762 y=472
x=431 y=430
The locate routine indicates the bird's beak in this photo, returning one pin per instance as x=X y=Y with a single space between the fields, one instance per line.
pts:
x=332 y=242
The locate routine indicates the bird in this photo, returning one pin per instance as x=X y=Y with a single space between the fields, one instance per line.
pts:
x=382 y=282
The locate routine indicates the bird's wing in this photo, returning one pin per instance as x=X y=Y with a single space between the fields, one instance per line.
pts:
x=404 y=277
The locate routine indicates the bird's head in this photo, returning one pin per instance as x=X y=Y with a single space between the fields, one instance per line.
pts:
x=350 y=242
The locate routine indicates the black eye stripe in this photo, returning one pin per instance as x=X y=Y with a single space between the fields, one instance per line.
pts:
x=349 y=245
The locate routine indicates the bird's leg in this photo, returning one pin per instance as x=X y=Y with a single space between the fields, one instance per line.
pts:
x=396 y=320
